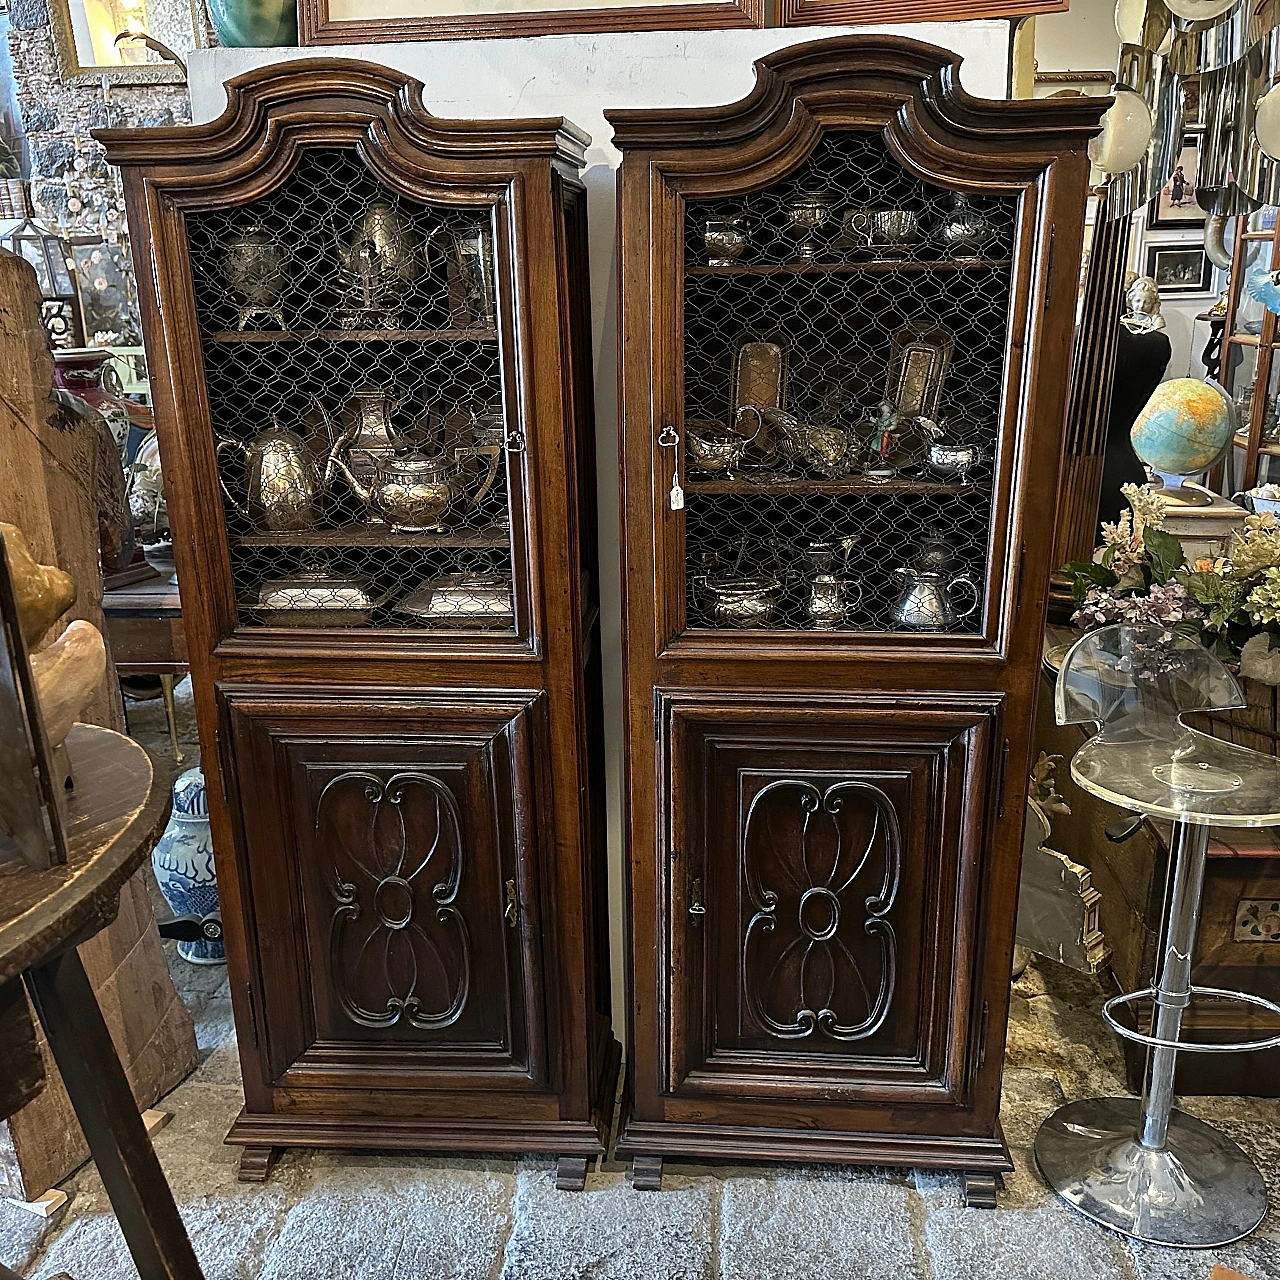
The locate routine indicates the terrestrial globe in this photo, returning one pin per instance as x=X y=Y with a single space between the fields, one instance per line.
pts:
x=1183 y=430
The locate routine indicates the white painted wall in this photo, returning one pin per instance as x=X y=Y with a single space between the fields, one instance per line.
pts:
x=1082 y=39
x=580 y=77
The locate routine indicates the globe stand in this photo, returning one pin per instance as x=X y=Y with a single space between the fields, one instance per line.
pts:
x=1174 y=491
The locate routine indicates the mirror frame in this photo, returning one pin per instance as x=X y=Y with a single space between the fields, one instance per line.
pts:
x=73 y=71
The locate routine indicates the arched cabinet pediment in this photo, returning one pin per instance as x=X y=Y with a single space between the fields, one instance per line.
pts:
x=846 y=304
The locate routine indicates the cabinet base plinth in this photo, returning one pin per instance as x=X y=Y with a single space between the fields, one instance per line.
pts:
x=975 y=1157
x=980 y=1190
x=646 y=1173
x=571 y=1173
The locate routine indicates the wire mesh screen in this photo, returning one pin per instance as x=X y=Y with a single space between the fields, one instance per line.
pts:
x=844 y=337
x=355 y=386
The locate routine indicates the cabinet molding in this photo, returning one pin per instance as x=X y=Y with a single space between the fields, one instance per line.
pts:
x=824 y=802
x=406 y=814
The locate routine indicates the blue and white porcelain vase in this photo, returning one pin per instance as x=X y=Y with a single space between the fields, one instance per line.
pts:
x=183 y=862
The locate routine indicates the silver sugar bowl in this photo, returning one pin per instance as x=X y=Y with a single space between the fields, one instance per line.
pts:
x=807 y=212
x=747 y=601
x=965 y=231
x=725 y=239
x=955 y=459
x=893 y=232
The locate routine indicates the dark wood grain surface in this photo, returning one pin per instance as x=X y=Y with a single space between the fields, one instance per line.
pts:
x=751 y=757
x=490 y=1027
x=115 y=814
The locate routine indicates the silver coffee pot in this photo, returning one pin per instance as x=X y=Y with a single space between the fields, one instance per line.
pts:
x=363 y=432
x=284 y=485
x=927 y=602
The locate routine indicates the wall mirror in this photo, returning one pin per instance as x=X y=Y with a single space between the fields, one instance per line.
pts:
x=86 y=36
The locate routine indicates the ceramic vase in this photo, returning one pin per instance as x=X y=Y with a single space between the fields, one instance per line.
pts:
x=183 y=863
x=249 y=24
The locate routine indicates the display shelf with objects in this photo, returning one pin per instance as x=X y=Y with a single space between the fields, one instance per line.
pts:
x=368 y=331
x=836 y=452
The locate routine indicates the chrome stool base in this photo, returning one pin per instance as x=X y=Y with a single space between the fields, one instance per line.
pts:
x=1199 y=1190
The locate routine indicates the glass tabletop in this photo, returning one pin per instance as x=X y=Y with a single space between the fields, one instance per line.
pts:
x=1203 y=780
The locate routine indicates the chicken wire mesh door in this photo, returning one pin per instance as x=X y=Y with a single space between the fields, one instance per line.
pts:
x=355 y=383
x=844 y=351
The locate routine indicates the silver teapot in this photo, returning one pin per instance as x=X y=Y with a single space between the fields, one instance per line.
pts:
x=926 y=602
x=411 y=492
x=832 y=596
x=284 y=485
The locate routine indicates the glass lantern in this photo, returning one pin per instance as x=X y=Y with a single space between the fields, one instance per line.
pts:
x=50 y=255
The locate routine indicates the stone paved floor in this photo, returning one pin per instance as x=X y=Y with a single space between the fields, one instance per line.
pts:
x=343 y=1215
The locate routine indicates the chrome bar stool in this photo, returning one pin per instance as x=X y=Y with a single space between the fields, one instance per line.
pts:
x=1138 y=1165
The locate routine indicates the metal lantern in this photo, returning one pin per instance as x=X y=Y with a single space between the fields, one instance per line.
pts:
x=50 y=255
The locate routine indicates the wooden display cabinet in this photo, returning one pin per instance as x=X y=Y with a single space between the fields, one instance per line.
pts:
x=828 y=711
x=368 y=335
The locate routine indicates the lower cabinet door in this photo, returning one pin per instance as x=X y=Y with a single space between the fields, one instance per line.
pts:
x=823 y=868
x=389 y=846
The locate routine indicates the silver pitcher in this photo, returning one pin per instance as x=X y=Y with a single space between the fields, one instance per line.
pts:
x=468 y=254
x=411 y=492
x=832 y=596
x=965 y=231
x=926 y=602
x=725 y=239
x=363 y=433
x=284 y=485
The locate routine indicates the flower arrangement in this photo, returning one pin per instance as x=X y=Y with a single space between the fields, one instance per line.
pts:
x=1142 y=577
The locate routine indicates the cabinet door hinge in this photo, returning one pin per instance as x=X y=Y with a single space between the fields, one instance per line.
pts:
x=253 y=1012
x=982 y=1035
x=1004 y=769
x=1022 y=574
x=512 y=913
x=657 y=715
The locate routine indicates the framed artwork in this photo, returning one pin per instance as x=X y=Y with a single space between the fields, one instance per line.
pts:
x=1073 y=84
x=1180 y=270
x=800 y=13
x=376 y=21
x=1175 y=205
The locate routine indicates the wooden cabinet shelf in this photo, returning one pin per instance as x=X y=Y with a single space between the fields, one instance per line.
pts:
x=895 y=267
x=354 y=335
x=373 y=535
x=852 y=485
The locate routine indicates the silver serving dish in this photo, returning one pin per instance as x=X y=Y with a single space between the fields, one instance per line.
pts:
x=714 y=450
x=474 y=600
x=313 y=597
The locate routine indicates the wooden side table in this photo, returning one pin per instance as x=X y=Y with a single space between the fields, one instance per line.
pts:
x=115 y=816
x=144 y=626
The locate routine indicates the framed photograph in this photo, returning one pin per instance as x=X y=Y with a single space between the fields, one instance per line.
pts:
x=1176 y=206
x=1180 y=270
x=375 y=21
